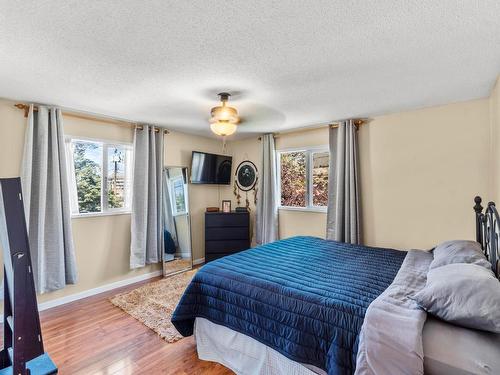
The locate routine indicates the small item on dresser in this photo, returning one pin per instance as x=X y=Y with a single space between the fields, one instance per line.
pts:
x=212 y=209
x=241 y=209
x=226 y=206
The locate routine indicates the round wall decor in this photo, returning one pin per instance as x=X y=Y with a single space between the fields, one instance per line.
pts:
x=245 y=179
x=246 y=175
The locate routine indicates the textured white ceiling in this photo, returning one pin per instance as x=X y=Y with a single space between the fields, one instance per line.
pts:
x=290 y=63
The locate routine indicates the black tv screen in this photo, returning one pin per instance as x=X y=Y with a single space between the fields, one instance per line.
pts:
x=211 y=168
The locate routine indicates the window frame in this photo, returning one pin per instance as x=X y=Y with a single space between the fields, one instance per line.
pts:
x=309 y=151
x=176 y=213
x=105 y=210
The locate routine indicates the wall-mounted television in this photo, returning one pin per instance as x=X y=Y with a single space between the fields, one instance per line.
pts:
x=210 y=168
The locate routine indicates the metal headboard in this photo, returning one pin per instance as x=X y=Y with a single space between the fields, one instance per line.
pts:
x=487 y=232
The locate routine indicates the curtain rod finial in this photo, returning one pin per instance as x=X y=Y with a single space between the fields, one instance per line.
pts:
x=25 y=107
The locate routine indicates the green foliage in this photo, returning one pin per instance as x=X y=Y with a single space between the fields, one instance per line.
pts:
x=114 y=200
x=293 y=179
x=88 y=178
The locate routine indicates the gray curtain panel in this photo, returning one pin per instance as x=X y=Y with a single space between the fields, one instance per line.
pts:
x=343 y=189
x=44 y=180
x=168 y=217
x=266 y=222
x=147 y=224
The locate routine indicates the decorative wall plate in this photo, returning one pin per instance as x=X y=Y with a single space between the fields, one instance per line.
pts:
x=246 y=175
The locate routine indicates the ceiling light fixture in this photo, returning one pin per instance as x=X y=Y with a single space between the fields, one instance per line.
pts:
x=224 y=119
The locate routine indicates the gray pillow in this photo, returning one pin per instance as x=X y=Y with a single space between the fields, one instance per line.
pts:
x=464 y=294
x=460 y=251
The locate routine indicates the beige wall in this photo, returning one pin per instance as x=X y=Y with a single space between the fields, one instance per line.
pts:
x=12 y=126
x=102 y=243
x=178 y=149
x=295 y=223
x=419 y=172
x=292 y=223
x=495 y=140
x=248 y=149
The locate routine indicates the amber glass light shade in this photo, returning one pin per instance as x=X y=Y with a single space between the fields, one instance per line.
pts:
x=224 y=119
x=223 y=128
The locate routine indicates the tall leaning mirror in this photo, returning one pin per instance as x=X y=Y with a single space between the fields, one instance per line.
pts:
x=177 y=255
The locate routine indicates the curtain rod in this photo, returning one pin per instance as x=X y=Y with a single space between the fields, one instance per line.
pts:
x=109 y=120
x=357 y=122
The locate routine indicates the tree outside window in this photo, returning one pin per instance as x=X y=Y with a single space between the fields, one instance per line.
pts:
x=88 y=172
x=102 y=175
x=304 y=178
x=293 y=179
x=320 y=163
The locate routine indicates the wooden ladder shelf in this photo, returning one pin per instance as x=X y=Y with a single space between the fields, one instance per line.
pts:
x=23 y=352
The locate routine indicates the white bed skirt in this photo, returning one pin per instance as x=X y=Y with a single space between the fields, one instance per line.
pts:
x=243 y=354
x=449 y=350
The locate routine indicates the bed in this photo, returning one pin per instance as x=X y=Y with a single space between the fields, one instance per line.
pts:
x=305 y=305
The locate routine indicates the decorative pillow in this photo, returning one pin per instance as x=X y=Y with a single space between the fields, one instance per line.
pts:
x=461 y=251
x=464 y=294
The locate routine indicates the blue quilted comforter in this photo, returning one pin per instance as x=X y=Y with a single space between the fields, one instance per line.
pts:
x=304 y=297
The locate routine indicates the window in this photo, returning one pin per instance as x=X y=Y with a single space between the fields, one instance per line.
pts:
x=100 y=176
x=304 y=178
x=320 y=164
x=178 y=195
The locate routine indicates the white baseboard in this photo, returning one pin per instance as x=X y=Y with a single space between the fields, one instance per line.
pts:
x=198 y=261
x=101 y=289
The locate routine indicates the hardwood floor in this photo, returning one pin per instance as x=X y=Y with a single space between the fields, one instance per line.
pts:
x=93 y=337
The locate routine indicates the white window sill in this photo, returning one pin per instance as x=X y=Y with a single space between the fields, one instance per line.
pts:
x=97 y=214
x=304 y=209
